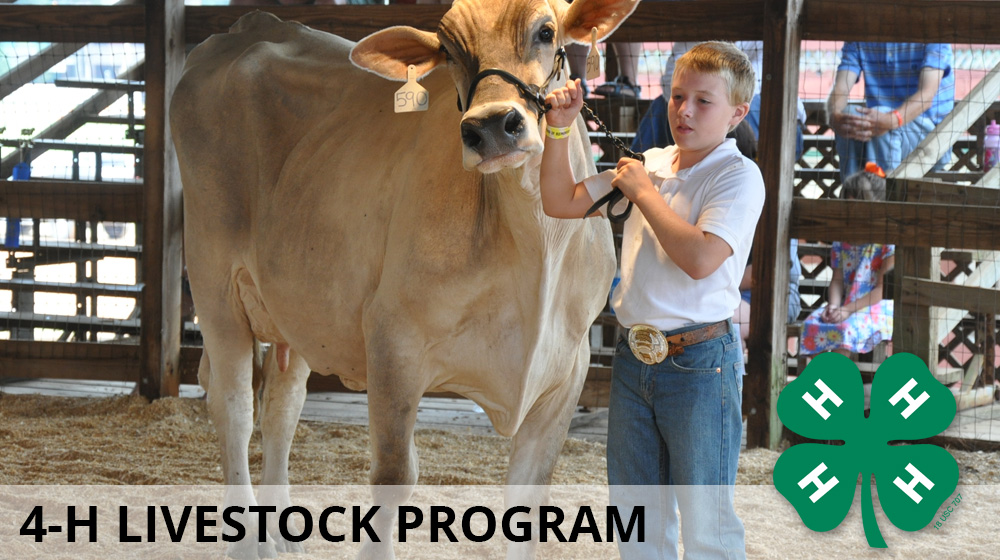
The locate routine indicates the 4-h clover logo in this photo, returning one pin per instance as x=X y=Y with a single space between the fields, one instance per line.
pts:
x=826 y=402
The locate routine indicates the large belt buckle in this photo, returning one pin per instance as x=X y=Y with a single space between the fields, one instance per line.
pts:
x=648 y=344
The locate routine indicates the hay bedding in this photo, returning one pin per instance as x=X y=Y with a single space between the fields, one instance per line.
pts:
x=126 y=440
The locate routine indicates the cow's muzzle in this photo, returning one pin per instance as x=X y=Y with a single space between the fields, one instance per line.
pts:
x=493 y=134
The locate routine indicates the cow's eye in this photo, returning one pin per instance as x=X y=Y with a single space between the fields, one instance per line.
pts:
x=546 y=35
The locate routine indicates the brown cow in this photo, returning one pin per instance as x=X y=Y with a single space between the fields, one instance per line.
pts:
x=318 y=219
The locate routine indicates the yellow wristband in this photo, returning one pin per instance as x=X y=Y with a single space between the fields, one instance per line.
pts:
x=557 y=133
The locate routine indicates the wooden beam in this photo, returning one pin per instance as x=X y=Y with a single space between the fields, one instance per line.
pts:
x=967 y=111
x=78 y=24
x=767 y=366
x=957 y=21
x=985 y=276
x=78 y=288
x=919 y=21
x=68 y=360
x=911 y=324
x=88 y=201
x=941 y=294
x=35 y=65
x=160 y=339
x=902 y=223
x=680 y=21
x=990 y=179
x=930 y=191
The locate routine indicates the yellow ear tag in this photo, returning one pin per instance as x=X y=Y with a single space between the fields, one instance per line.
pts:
x=593 y=59
x=412 y=96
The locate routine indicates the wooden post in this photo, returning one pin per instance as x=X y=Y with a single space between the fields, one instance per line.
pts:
x=160 y=338
x=911 y=323
x=767 y=346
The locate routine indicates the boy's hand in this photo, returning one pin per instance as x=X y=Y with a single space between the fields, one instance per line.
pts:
x=632 y=179
x=566 y=103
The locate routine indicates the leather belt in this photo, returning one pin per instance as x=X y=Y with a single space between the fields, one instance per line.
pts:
x=651 y=346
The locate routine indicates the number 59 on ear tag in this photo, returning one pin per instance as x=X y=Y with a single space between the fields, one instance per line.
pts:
x=412 y=96
x=593 y=58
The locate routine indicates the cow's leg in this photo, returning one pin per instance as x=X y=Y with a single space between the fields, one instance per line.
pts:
x=394 y=391
x=536 y=447
x=280 y=407
x=229 y=346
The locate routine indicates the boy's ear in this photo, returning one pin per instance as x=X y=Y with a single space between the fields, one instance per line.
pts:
x=740 y=113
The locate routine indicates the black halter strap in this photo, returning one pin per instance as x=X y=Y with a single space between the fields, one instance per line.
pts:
x=534 y=94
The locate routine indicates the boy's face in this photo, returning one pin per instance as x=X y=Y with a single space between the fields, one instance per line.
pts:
x=699 y=112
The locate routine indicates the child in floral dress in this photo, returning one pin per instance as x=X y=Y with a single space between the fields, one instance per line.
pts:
x=857 y=316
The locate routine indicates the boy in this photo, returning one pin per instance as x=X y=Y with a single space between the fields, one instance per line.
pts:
x=674 y=412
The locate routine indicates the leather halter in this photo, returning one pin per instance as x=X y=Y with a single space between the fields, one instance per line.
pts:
x=534 y=94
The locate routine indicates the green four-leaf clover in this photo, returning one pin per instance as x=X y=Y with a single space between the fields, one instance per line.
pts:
x=826 y=402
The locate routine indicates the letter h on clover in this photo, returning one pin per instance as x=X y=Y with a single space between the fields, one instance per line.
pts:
x=826 y=402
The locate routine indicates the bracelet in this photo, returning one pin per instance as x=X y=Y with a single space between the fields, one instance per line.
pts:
x=557 y=133
x=898 y=118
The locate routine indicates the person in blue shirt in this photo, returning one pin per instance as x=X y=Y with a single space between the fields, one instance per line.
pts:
x=909 y=89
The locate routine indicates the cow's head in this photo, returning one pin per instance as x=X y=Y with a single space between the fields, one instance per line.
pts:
x=501 y=123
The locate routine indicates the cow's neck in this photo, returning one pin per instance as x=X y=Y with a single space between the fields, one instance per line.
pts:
x=519 y=209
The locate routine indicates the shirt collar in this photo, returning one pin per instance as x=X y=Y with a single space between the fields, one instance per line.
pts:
x=660 y=160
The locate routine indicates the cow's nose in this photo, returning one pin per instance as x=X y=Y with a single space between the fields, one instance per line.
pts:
x=495 y=134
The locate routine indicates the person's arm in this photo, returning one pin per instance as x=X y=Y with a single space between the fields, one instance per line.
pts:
x=562 y=196
x=834 y=297
x=876 y=295
x=877 y=123
x=869 y=299
x=843 y=124
x=747 y=281
x=844 y=79
x=696 y=252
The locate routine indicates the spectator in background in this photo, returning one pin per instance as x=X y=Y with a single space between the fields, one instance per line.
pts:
x=626 y=82
x=909 y=89
x=857 y=317
x=742 y=314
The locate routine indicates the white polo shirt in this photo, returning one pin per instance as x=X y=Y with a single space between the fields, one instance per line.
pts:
x=723 y=194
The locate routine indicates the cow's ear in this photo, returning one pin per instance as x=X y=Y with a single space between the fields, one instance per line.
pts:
x=584 y=15
x=390 y=51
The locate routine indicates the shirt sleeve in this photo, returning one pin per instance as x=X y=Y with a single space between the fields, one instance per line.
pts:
x=938 y=56
x=888 y=251
x=733 y=205
x=600 y=185
x=850 y=58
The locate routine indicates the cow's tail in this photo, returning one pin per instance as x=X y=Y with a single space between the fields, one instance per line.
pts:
x=257 y=382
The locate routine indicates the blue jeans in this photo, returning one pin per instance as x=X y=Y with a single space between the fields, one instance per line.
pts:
x=674 y=433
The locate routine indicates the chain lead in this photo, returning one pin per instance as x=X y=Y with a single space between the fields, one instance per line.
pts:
x=612 y=198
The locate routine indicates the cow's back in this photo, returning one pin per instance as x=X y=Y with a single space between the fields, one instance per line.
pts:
x=297 y=171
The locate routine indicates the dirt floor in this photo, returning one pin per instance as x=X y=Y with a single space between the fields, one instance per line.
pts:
x=127 y=441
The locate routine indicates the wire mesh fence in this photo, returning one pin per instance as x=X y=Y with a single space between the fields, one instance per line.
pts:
x=72 y=120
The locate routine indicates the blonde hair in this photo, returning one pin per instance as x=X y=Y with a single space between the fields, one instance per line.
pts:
x=722 y=59
x=863 y=185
